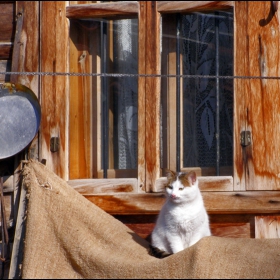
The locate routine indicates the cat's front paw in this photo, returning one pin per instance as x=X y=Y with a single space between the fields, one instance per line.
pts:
x=156 y=252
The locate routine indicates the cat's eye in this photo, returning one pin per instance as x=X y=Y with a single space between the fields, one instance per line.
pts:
x=180 y=189
x=170 y=187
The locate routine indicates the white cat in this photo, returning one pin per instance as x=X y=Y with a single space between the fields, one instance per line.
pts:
x=183 y=219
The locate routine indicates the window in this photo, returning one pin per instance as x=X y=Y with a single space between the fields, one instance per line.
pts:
x=109 y=105
x=129 y=125
x=197 y=110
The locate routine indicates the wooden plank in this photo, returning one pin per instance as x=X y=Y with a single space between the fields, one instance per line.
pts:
x=18 y=242
x=94 y=186
x=192 y=6
x=126 y=9
x=257 y=54
x=267 y=227
x=17 y=50
x=84 y=94
x=80 y=100
x=7 y=15
x=8 y=185
x=152 y=106
x=235 y=230
x=141 y=96
x=27 y=45
x=96 y=106
x=249 y=202
x=235 y=226
x=5 y=66
x=6 y=50
x=241 y=67
x=140 y=224
x=54 y=90
x=213 y=183
x=168 y=88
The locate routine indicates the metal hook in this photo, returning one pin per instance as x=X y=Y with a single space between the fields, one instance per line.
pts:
x=273 y=9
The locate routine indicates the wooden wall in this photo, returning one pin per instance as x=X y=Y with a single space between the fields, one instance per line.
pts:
x=7 y=34
x=245 y=205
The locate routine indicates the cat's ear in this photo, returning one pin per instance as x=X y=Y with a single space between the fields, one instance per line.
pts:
x=170 y=174
x=192 y=177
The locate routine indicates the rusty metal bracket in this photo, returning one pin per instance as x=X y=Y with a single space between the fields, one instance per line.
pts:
x=245 y=138
x=54 y=144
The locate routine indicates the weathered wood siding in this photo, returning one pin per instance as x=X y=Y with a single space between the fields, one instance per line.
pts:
x=267 y=227
x=257 y=101
x=54 y=89
x=83 y=104
x=245 y=205
x=7 y=33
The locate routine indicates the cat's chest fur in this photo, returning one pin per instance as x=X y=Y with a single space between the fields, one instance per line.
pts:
x=183 y=219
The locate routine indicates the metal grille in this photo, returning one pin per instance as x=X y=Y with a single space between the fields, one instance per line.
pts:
x=125 y=42
x=207 y=47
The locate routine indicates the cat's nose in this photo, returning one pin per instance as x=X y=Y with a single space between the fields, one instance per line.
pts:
x=173 y=195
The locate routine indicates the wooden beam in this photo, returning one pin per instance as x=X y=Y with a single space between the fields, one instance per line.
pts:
x=127 y=9
x=5 y=66
x=249 y=202
x=6 y=50
x=256 y=101
x=141 y=96
x=192 y=6
x=81 y=96
x=7 y=15
x=54 y=89
x=18 y=244
x=236 y=226
x=209 y=183
x=152 y=110
x=94 y=186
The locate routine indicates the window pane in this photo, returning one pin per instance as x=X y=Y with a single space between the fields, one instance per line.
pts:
x=124 y=91
x=204 y=47
x=110 y=47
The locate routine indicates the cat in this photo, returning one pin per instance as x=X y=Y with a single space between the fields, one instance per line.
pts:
x=183 y=219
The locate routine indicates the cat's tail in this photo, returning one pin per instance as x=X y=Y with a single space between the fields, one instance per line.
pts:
x=156 y=252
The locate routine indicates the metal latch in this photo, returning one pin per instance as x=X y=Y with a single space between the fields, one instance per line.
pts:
x=245 y=138
x=54 y=145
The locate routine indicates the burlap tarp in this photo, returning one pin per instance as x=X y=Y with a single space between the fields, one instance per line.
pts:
x=69 y=237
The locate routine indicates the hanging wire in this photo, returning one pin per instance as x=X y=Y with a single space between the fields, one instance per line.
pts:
x=136 y=75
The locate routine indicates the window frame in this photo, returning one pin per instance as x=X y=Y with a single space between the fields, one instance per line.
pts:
x=149 y=174
x=149 y=16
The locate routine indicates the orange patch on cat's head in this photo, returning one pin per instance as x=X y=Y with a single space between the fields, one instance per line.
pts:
x=187 y=178
x=171 y=176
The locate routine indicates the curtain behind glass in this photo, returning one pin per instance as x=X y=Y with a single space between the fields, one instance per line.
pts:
x=199 y=94
x=125 y=61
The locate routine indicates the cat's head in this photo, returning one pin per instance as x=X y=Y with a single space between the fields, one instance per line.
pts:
x=181 y=186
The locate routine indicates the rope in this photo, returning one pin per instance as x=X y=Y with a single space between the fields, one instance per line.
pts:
x=135 y=75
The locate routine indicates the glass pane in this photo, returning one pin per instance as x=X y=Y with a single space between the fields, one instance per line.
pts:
x=204 y=47
x=124 y=91
x=110 y=47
